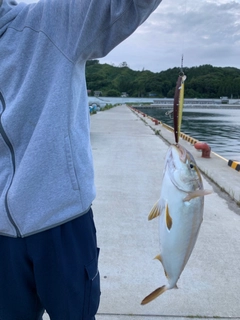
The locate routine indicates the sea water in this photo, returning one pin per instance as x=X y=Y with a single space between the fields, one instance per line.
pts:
x=220 y=128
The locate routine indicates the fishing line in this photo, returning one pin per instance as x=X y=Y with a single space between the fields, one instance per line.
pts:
x=184 y=28
x=179 y=91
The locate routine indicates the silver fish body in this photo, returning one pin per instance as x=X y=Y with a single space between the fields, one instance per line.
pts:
x=180 y=211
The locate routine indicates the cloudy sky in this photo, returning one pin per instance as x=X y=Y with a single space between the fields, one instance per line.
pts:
x=204 y=31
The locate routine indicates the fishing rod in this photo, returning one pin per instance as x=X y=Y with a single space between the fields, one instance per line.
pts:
x=178 y=103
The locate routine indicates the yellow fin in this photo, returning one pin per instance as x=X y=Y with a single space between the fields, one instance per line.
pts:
x=166 y=274
x=158 y=257
x=168 y=219
x=154 y=295
x=197 y=193
x=155 y=212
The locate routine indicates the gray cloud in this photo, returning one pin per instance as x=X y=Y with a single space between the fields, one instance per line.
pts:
x=206 y=32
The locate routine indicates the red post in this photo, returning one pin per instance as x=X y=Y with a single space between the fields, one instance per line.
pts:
x=206 y=149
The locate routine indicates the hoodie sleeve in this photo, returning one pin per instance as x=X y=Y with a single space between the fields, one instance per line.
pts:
x=90 y=29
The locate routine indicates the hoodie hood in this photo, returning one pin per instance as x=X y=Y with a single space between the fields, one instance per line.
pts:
x=9 y=9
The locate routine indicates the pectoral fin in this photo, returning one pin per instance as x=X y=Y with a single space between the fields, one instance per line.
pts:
x=154 y=295
x=197 y=193
x=155 y=212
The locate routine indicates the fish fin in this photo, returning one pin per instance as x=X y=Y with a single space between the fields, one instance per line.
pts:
x=197 y=193
x=166 y=274
x=168 y=218
x=155 y=212
x=154 y=295
x=158 y=257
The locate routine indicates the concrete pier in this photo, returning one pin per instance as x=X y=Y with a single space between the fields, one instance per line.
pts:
x=129 y=157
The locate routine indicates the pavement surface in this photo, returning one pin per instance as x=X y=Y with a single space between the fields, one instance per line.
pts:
x=128 y=158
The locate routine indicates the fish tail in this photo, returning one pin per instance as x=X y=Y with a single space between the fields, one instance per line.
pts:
x=154 y=295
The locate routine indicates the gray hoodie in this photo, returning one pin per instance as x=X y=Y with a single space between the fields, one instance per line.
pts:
x=46 y=166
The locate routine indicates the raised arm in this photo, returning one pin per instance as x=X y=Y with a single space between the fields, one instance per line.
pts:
x=87 y=29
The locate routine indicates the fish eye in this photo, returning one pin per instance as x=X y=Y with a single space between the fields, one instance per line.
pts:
x=191 y=165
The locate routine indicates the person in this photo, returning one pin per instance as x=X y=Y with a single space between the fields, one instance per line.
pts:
x=48 y=246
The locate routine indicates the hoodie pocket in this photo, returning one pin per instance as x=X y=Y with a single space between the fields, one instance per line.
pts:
x=92 y=289
x=70 y=164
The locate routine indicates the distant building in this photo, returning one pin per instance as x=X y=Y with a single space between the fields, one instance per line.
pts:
x=195 y=101
x=97 y=93
x=224 y=100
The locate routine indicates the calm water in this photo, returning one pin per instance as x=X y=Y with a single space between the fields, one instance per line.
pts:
x=219 y=128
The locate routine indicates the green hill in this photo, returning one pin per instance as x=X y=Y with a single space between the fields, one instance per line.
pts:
x=203 y=81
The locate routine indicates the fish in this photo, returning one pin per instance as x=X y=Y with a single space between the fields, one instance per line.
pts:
x=180 y=212
x=178 y=106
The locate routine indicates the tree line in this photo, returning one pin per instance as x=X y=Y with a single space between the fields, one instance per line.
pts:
x=203 y=81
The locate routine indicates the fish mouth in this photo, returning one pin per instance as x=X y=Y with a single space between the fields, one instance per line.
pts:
x=175 y=153
x=182 y=152
x=178 y=154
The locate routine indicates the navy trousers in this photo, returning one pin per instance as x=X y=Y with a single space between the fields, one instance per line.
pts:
x=55 y=270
